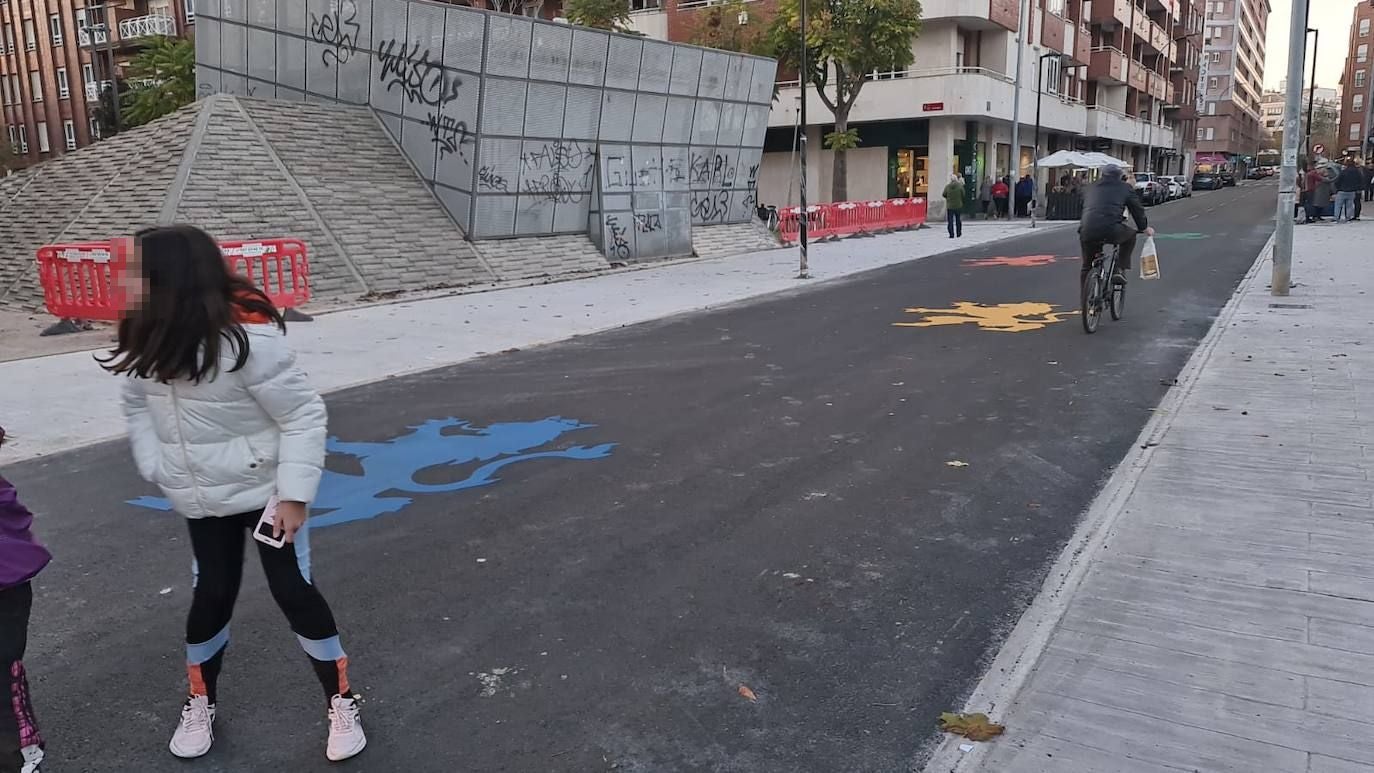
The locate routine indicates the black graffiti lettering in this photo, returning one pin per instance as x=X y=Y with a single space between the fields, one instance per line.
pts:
x=419 y=77
x=450 y=134
x=712 y=170
x=616 y=246
x=710 y=206
x=338 y=30
x=751 y=196
x=673 y=172
x=491 y=181
x=648 y=222
x=204 y=89
x=558 y=171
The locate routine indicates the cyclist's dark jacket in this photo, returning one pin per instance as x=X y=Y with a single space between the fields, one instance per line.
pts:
x=1103 y=203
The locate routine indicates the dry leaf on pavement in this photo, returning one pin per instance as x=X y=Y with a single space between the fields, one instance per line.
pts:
x=956 y=463
x=748 y=694
x=975 y=727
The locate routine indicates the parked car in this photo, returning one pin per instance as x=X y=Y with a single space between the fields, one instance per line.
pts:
x=1185 y=188
x=1255 y=174
x=1176 y=188
x=1206 y=181
x=1228 y=178
x=1150 y=189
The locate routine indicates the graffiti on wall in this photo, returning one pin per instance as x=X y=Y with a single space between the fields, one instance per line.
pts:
x=338 y=31
x=617 y=246
x=419 y=77
x=489 y=180
x=450 y=135
x=558 y=171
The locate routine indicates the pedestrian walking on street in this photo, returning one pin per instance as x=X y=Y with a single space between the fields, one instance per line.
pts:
x=985 y=198
x=954 y=206
x=21 y=559
x=1319 y=192
x=1369 y=180
x=1349 y=184
x=1025 y=191
x=1001 y=191
x=227 y=426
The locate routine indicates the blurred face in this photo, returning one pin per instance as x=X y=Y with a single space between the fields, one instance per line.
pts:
x=130 y=280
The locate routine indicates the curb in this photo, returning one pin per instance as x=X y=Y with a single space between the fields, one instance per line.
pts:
x=1019 y=655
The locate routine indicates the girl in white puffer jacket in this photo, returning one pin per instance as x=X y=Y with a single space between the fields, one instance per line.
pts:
x=222 y=420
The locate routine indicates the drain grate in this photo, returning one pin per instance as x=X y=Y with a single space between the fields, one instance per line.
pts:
x=1290 y=306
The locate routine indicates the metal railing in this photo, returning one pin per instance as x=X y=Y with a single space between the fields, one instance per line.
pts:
x=95 y=88
x=89 y=36
x=938 y=72
x=147 y=26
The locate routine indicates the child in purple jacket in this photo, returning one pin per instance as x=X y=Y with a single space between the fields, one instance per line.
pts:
x=21 y=558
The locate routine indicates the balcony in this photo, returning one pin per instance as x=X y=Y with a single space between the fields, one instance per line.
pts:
x=1137 y=78
x=1159 y=39
x=1108 y=65
x=95 y=88
x=1111 y=13
x=1111 y=124
x=1083 y=46
x=147 y=26
x=1157 y=87
x=93 y=36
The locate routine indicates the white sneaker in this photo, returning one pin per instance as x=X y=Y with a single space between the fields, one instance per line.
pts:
x=346 y=736
x=196 y=733
x=33 y=757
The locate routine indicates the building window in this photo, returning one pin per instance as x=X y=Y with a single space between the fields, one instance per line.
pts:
x=69 y=134
x=5 y=90
x=95 y=128
x=1359 y=79
x=190 y=11
x=1211 y=108
x=30 y=40
x=23 y=140
x=645 y=5
x=1199 y=133
x=1211 y=133
x=1354 y=131
x=1216 y=57
x=9 y=38
x=14 y=140
x=1364 y=28
x=1055 y=7
x=55 y=28
x=87 y=73
x=1357 y=102
x=42 y=128
x=64 y=87
x=1213 y=82
x=1362 y=53
x=36 y=85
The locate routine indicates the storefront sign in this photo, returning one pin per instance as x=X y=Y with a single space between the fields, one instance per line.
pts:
x=931 y=107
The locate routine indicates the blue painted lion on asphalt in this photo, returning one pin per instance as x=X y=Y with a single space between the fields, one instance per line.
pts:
x=389 y=467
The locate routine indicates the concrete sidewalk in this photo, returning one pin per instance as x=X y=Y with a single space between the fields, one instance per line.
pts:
x=60 y=402
x=1215 y=610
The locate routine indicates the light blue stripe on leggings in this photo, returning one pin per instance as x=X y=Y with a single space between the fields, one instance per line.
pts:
x=302 y=545
x=199 y=653
x=322 y=649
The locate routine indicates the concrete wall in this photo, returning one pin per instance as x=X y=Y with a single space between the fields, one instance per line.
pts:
x=505 y=116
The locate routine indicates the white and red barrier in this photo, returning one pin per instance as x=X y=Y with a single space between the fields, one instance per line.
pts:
x=845 y=218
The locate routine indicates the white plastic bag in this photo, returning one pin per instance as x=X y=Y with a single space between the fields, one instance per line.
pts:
x=1149 y=259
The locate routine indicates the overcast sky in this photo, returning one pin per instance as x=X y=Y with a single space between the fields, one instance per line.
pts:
x=1332 y=17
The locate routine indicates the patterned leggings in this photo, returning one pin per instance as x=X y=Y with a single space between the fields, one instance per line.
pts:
x=18 y=728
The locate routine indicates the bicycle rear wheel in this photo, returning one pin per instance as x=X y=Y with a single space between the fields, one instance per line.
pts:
x=1091 y=309
x=1118 y=301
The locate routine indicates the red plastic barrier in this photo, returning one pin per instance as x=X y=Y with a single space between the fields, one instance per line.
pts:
x=851 y=217
x=79 y=279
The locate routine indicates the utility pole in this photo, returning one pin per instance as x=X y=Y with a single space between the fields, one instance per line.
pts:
x=1312 y=91
x=805 y=270
x=1282 y=278
x=1022 y=23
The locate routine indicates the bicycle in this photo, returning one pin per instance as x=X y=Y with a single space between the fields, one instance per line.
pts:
x=1100 y=291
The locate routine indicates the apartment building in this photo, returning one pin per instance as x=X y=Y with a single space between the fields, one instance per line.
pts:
x=1356 y=132
x=1325 y=104
x=57 y=59
x=1232 y=79
x=1118 y=76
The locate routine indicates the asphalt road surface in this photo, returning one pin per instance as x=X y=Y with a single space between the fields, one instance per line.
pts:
x=782 y=563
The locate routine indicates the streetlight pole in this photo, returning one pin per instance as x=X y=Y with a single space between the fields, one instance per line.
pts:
x=1039 y=93
x=804 y=271
x=1312 y=91
x=1023 y=9
x=1282 y=276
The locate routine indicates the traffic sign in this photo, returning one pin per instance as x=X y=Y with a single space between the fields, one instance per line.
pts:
x=1318 y=150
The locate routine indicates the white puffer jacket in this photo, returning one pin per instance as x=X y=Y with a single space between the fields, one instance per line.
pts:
x=226 y=445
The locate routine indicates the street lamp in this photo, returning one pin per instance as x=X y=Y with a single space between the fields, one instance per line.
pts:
x=1064 y=60
x=804 y=270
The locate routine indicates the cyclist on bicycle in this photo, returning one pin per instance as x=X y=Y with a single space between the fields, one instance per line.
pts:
x=1103 y=221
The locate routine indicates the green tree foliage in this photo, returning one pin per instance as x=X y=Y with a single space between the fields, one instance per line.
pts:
x=730 y=26
x=162 y=79
x=599 y=14
x=845 y=41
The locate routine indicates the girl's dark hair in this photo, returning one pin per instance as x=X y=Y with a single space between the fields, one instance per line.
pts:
x=2 y=436
x=193 y=304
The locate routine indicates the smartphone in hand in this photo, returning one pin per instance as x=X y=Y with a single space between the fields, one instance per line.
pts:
x=265 y=531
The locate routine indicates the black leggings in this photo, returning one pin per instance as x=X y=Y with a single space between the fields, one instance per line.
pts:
x=18 y=728
x=218 y=547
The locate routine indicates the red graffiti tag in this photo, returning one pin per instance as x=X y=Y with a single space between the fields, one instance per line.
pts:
x=1023 y=260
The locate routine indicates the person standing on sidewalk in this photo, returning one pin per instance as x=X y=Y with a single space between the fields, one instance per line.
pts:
x=1304 y=202
x=985 y=198
x=1318 y=194
x=954 y=206
x=1001 y=192
x=1349 y=184
x=21 y=559
x=225 y=424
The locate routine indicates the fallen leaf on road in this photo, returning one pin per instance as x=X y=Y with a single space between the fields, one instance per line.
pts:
x=956 y=463
x=748 y=694
x=975 y=727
